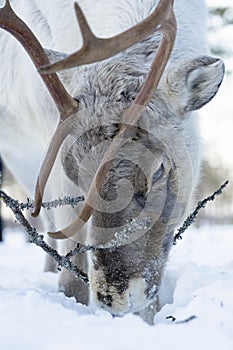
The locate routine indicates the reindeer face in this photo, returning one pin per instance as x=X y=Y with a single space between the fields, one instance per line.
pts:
x=141 y=188
x=151 y=177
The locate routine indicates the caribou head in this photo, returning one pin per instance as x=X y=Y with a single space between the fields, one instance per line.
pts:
x=127 y=141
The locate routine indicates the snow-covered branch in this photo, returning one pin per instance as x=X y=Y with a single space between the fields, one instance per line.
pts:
x=64 y=261
x=35 y=237
x=59 y=202
x=200 y=205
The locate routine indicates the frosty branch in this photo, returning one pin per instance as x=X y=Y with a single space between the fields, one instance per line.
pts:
x=59 y=202
x=62 y=261
x=200 y=205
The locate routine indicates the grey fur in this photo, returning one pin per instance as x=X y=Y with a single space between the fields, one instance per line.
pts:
x=110 y=88
x=156 y=171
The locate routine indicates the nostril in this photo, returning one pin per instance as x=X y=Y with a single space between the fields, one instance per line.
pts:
x=105 y=299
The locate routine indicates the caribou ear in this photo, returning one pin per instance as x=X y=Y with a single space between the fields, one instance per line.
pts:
x=203 y=82
x=197 y=81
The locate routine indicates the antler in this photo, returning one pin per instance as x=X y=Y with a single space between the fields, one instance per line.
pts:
x=66 y=105
x=161 y=20
x=95 y=49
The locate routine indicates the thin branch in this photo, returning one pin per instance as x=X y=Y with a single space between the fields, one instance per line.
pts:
x=80 y=249
x=59 y=202
x=62 y=261
x=187 y=320
x=173 y=319
x=200 y=205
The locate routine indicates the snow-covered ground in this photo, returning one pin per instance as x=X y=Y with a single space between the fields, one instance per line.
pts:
x=198 y=282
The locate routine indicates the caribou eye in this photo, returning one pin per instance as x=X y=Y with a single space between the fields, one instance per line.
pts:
x=122 y=97
x=140 y=198
x=158 y=174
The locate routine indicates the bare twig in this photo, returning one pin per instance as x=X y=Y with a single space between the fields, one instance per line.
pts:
x=62 y=261
x=191 y=218
x=173 y=319
x=187 y=320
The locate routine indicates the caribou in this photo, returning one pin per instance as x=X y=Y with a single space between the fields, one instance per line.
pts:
x=101 y=102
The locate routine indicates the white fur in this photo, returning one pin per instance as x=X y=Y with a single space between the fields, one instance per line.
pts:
x=28 y=116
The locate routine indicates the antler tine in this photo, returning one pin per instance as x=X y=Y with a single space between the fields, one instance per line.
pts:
x=59 y=136
x=87 y=210
x=66 y=105
x=132 y=115
x=95 y=49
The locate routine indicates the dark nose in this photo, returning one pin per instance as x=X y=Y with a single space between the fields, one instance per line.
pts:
x=105 y=299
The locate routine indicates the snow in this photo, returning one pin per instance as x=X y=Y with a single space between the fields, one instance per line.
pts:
x=198 y=282
x=216 y=116
x=220 y=3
